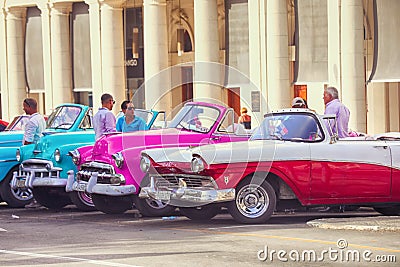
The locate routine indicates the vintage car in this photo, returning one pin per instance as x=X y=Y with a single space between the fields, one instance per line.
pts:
x=10 y=140
x=44 y=166
x=291 y=158
x=110 y=170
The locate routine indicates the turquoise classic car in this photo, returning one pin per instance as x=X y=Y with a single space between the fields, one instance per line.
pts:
x=10 y=140
x=44 y=166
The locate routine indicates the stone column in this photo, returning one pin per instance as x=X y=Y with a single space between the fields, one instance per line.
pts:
x=95 y=52
x=15 y=19
x=60 y=54
x=257 y=54
x=278 y=85
x=112 y=51
x=206 y=49
x=3 y=67
x=353 y=81
x=47 y=57
x=157 y=85
x=334 y=44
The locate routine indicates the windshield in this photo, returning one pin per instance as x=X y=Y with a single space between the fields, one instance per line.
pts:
x=18 y=123
x=63 y=117
x=293 y=127
x=195 y=118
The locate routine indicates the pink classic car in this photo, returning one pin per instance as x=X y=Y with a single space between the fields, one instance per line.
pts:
x=292 y=159
x=110 y=170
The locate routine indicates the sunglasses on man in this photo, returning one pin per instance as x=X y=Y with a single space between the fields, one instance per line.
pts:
x=130 y=108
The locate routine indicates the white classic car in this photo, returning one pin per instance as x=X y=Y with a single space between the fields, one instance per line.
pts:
x=292 y=158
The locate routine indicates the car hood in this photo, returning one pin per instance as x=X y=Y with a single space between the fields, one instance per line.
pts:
x=253 y=151
x=113 y=143
x=48 y=143
x=171 y=154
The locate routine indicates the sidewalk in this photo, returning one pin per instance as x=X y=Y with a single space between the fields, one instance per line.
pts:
x=379 y=223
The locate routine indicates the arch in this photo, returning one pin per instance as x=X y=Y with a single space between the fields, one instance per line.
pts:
x=179 y=20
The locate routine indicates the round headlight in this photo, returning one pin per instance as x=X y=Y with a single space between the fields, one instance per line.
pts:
x=118 y=159
x=197 y=164
x=18 y=154
x=57 y=155
x=145 y=163
x=76 y=156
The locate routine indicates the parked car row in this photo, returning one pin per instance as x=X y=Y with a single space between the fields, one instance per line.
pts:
x=203 y=161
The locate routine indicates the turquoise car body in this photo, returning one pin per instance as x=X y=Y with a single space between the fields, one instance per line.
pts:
x=44 y=166
x=10 y=141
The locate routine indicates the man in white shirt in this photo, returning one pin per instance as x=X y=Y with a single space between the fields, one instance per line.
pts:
x=36 y=123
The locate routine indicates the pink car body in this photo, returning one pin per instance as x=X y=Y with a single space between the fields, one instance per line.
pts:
x=110 y=170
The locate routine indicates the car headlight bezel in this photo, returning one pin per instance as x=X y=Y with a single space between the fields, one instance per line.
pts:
x=145 y=163
x=76 y=156
x=18 y=154
x=197 y=164
x=57 y=155
x=118 y=159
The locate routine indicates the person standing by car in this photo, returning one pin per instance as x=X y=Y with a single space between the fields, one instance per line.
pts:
x=36 y=123
x=334 y=106
x=123 y=110
x=104 y=119
x=130 y=122
x=245 y=119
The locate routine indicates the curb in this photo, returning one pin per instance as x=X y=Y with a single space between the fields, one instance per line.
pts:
x=381 y=223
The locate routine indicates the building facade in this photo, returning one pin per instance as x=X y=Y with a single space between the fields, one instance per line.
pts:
x=162 y=53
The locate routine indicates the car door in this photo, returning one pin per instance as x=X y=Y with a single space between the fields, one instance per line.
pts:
x=350 y=169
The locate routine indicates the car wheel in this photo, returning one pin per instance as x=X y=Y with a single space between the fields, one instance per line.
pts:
x=53 y=198
x=15 y=198
x=388 y=211
x=253 y=203
x=82 y=200
x=112 y=204
x=153 y=208
x=201 y=213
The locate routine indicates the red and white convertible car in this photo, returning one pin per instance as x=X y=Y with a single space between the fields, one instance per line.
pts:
x=292 y=158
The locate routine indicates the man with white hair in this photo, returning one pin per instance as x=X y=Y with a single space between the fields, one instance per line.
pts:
x=334 y=106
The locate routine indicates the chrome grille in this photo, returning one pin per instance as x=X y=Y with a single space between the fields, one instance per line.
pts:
x=192 y=181
x=40 y=168
x=105 y=172
x=35 y=164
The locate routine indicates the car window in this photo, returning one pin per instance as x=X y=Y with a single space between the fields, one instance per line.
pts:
x=292 y=127
x=144 y=114
x=227 y=124
x=17 y=124
x=63 y=117
x=87 y=122
x=195 y=118
x=159 y=121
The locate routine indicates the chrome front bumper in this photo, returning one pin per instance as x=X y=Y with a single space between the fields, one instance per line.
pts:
x=37 y=176
x=92 y=187
x=184 y=195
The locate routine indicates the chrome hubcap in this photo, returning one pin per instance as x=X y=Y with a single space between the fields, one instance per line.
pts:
x=252 y=201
